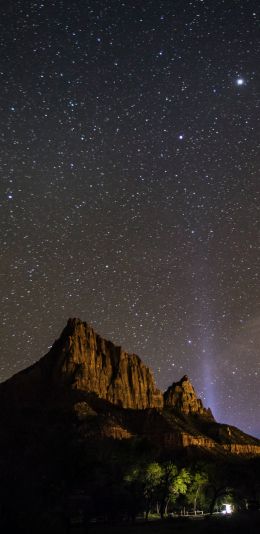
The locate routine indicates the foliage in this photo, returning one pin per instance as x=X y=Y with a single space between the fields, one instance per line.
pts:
x=196 y=494
x=156 y=483
x=173 y=483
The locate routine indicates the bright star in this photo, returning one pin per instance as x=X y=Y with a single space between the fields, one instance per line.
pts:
x=240 y=81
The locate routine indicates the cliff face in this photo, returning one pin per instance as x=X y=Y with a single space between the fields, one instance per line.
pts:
x=81 y=363
x=181 y=395
x=184 y=439
x=84 y=361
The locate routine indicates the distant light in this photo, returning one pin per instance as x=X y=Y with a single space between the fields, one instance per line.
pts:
x=181 y=136
x=240 y=81
x=227 y=509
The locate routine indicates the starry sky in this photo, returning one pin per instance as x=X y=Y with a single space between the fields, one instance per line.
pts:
x=129 y=187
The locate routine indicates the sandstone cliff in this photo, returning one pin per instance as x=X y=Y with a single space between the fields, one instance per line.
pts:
x=82 y=360
x=80 y=364
x=181 y=395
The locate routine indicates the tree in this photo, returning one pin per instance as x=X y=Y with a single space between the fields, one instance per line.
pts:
x=173 y=483
x=143 y=483
x=199 y=481
x=218 y=485
x=135 y=490
x=155 y=482
x=152 y=478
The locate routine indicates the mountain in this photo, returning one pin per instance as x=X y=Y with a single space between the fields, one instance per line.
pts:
x=82 y=360
x=181 y=396
x=75 y=422
x=112 y=394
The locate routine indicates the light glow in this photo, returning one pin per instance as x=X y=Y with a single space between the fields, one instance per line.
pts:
x=227 y=509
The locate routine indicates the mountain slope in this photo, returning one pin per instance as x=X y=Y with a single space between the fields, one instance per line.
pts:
x=109 y=393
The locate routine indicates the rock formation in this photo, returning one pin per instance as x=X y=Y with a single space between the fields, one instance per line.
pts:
x=82 y=416
x=112 y=394
x=82 y=360
x=181 y=395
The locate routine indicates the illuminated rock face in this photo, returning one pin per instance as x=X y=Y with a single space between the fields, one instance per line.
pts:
x=237 y=448
x=81 y=363
x=87 y=362
x=184 y=439
x=82 y=360
x=181 y=395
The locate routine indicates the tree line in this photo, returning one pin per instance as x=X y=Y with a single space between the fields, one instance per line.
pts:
x=125 y=483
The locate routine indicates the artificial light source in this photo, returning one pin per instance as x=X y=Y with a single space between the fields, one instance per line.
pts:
x=227 y=509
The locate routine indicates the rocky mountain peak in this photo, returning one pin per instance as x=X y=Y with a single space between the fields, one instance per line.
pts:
x=182 y=396
x=85 y=361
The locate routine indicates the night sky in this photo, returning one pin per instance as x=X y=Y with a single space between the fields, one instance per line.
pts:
x=130 y=187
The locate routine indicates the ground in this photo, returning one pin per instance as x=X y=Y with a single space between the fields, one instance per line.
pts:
x=235 y=524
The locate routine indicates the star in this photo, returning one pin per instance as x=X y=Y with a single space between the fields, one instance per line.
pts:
x=129 y=179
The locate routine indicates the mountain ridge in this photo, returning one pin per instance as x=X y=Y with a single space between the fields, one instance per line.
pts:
x=112 y=394
x=84 y=360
